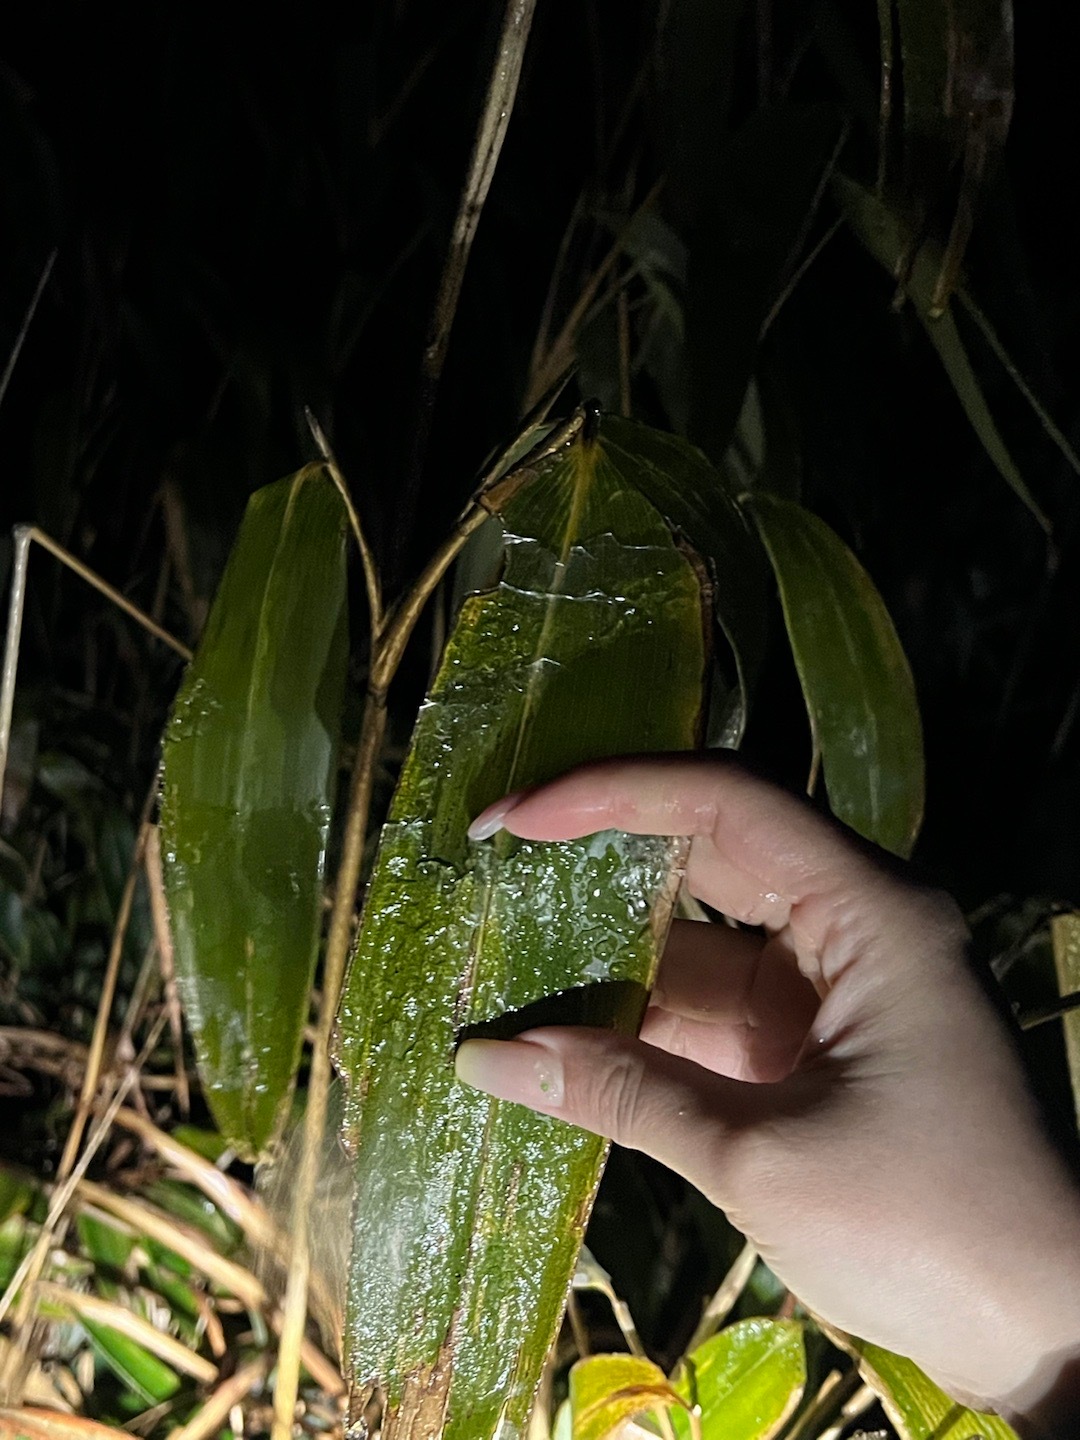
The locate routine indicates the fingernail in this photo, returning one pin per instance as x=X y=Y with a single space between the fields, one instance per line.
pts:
x=490 y=821
x=512 y=1070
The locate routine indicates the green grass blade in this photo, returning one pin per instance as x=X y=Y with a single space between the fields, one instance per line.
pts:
x=148 y=1378
x=744 y=1382
x=249 y=769
x=469 y=1213
x=855 y=677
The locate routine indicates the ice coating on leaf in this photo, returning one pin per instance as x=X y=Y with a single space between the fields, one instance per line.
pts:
x=469 y=1212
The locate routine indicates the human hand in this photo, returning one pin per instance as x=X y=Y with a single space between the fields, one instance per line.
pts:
x=839 y=1084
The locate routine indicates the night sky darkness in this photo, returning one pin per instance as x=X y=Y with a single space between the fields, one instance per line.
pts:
x=250 y=218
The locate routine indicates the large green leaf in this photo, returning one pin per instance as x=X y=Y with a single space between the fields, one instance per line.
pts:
x=469 y=1213
x=744 y=1382
x=918 y=1408
x=854 y=675
x=886 y=238
x=249 y=769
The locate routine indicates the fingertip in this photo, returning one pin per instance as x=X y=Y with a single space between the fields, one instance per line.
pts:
x=490 y=821
x=512 y=1070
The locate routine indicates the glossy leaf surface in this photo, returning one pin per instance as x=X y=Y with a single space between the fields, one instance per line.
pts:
x=854 y=675
x=692 y=495
x=608 y=1390
x=469 y=1213
x=917 y=1407
x=249 y=769
x=745 y=1382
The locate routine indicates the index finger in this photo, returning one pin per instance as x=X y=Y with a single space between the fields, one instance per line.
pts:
x=759 y=854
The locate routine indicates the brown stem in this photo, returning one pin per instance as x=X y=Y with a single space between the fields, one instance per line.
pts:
x=487 y=146
x=390 y=646
x=294 y=1309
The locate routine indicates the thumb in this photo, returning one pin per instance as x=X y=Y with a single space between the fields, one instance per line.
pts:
x=691 y=1120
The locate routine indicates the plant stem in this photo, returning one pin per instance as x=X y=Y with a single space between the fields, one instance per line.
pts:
x=294 y=1310
x=19 y=563
x=390 y=645
x=487 y=146
x=24 y=328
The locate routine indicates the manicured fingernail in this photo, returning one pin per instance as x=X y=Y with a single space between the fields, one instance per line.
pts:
x=490 y=821
x=512 y=1070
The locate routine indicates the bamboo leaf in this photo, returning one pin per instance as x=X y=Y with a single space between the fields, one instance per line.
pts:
x=691 y=494
x=854 y=675
x=745 y=1382
x=248 y=782
x=468 y=1213
x=885 y=237
x=916 y=1406
x=608 y=1390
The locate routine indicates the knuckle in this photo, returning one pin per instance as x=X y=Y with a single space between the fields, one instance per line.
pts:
x=616 y=1097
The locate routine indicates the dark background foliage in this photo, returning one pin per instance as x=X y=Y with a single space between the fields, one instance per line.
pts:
x=250 y=218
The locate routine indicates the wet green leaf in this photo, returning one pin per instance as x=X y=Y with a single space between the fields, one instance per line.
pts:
x=249 y=774
x=744 y=1382
x=469 y=1213
x=607 y=1390
x=854 y=675
x=886 y=238
x=691 y=494
x=916 y=1406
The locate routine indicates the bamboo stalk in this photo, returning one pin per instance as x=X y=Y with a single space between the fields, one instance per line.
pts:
x=487 y=147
